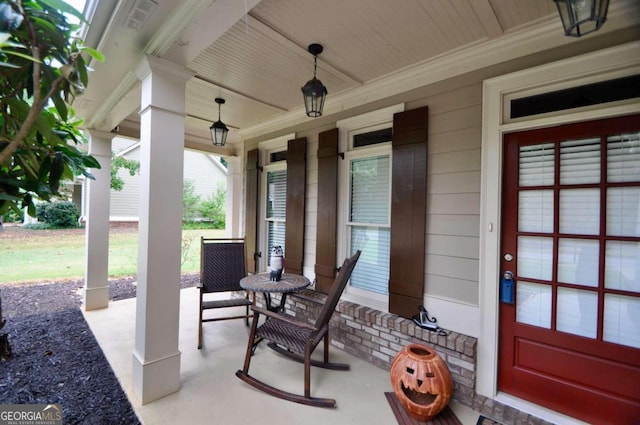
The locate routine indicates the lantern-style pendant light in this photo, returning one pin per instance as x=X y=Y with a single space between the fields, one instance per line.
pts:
x=314 y=91
x=580 y=17
x=219 y=131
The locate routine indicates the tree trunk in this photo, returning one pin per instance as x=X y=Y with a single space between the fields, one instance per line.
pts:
x=5 y=348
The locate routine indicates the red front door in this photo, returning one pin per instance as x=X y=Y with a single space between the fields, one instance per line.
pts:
x=570 y=317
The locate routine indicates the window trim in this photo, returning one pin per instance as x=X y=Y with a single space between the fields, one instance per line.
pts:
x=348 y=128
x=270 y=146
x=264 y=234
x=266 y=148
x=373 y=299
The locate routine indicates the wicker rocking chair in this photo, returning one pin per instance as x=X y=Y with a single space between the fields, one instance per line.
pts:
x=297 y=340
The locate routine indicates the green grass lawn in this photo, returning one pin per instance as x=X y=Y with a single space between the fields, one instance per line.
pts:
x=39 y=255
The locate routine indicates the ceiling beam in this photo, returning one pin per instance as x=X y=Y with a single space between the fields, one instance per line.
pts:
x=238 y=93
x=209 y=120
x=163 y=44
x=487 y=17
x=299 y=49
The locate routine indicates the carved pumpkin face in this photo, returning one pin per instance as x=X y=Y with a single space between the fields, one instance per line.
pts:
x=421 y=381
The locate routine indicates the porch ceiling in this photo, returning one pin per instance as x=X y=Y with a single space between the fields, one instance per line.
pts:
x=254 y=53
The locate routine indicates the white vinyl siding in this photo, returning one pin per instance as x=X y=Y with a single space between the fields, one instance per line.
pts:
x=202 y=169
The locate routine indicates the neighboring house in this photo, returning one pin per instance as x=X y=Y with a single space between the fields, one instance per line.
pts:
x=205 y=171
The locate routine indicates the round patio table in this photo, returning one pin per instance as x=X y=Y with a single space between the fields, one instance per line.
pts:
x=261 y=283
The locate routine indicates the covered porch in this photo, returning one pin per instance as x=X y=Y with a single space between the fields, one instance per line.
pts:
x=432 y=83
x=211 y=393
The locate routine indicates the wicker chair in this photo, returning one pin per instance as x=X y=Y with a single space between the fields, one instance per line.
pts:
x=222 y=265
x=298 y=339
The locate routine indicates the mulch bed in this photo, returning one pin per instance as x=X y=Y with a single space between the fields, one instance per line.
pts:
x=55 y=357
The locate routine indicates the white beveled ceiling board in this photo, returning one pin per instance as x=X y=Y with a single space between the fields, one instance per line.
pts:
x=251 y=59
x=542 y=35
x=374 y=49
x=488 y=18
x=300 y=50
x=376 y=37
x=208 y=25
x=514 y=13
x=236 y=111
x=173 y=19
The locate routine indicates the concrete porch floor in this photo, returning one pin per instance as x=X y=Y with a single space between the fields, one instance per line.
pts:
x=211 y=393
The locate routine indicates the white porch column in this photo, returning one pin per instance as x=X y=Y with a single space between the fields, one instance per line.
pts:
x=233 y=214
x=156 y=358
x=96 y=285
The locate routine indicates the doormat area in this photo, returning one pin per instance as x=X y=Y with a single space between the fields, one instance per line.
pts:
x=446 y=417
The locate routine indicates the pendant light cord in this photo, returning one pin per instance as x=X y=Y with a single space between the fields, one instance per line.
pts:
x=315 y=65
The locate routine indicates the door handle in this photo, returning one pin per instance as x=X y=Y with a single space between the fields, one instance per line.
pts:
x=507 y=288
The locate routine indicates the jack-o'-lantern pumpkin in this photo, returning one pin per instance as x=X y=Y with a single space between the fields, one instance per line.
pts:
x=421 y=381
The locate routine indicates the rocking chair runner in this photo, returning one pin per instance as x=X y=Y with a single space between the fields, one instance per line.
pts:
x=222 y=265
x=297 y=340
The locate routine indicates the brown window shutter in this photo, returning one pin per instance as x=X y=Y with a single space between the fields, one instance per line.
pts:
x=296 y=190
x=251 y=211
x=408 y=212
x=326 y=242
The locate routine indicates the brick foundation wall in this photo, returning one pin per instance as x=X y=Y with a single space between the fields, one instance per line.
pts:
x=377 y=337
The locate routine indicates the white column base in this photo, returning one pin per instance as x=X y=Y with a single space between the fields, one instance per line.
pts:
x=96 y=298
x=155 y=379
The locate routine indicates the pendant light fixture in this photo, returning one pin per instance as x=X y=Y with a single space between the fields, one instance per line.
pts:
x=314 y=91
x=580 y=17
x=219 y=131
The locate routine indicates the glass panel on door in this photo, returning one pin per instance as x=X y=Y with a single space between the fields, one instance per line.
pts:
x=622 y=266
x=622 y=320
x=534 y=304
x=577 y=312
x=537 y=165
x=535 y=211
x=580 y=161
x=578 y=261
x=580 y=211
x=623 y=158
x=535 y=257
x=623 y=211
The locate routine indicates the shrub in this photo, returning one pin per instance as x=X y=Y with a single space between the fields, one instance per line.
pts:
x=190 y=201
x=213 y=208
x=38 y=226
x=59 y=214
x=12 y=217
x=41 y=211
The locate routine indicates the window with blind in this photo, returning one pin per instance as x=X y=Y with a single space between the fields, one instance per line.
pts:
x=364 y=203
x=368 y=224
x=276 y=209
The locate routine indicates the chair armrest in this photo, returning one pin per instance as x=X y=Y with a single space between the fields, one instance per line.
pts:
x=283 y=317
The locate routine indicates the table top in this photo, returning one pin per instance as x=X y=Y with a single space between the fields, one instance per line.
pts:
x=288 y=283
